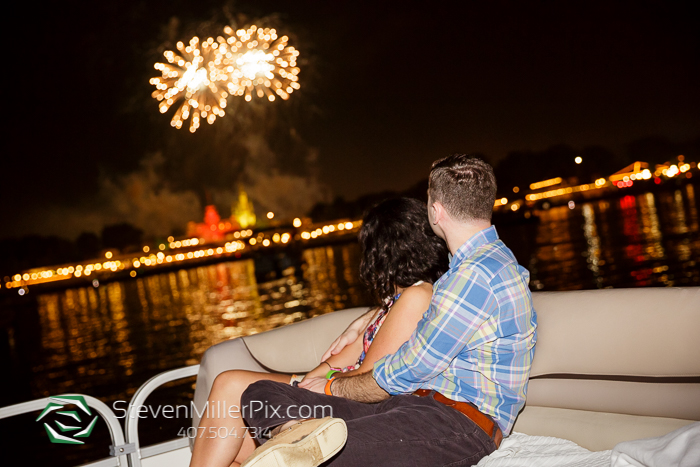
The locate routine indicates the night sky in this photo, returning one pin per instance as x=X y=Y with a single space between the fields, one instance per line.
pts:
x=387 y=87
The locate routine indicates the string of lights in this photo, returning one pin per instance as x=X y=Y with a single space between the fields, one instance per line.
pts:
x=165 y=254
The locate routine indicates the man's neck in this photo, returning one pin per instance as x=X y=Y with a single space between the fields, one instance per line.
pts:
x=459 y=233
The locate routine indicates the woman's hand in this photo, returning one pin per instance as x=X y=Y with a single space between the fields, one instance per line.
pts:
x=314 y=384
x=318 y=372
x=350 y=335
x=345 y=339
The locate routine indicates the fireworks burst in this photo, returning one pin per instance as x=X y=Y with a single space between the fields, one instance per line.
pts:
x=249 y=61
x=194 y=76
x=259 y=62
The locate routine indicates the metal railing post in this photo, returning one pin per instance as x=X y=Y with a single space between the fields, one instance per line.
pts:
x=132 y=419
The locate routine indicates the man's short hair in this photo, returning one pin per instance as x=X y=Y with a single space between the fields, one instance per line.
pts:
x=465 y=186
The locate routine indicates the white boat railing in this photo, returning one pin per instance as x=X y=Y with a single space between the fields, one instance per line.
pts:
x=125 y=450
x=132 y=419
x=118 y=451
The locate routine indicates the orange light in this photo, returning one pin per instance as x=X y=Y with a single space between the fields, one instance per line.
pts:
x=545 y=183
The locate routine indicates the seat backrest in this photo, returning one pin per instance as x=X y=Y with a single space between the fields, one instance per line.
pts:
x=295 y=348
x=298 y=348
x=620 y=352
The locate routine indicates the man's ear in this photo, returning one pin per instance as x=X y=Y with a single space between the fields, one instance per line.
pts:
x=438 y=213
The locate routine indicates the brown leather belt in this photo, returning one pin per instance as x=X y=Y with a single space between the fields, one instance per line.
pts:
x=482 y=420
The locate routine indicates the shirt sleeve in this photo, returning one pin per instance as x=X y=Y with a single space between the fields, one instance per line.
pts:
x=459 y=306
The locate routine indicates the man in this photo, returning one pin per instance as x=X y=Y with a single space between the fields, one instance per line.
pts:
x=451 y=392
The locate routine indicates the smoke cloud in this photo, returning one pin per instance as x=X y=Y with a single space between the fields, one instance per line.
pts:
x=148 y=200
x=142 y=198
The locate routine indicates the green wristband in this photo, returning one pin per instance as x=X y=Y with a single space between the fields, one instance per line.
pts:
x=330 y=374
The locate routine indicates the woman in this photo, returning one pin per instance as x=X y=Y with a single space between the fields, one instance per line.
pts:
x=401 y=258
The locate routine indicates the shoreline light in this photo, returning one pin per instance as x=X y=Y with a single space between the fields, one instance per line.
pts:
x=545 y=183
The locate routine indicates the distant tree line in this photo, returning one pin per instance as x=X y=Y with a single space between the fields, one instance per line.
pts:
x=18 y=254
x=521 y=168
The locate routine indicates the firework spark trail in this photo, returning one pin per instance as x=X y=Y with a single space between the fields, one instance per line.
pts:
x=253 y=61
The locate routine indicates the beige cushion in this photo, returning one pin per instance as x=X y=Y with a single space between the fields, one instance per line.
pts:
x=649 y=399
x=652 y=332
x=596 y=431
x=298 y=348
x=614 y=365
x=295 y=348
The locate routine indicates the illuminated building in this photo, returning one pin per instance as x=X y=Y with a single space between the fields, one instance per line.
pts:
x=243 y=211
x=638 y=170
x=213 y=228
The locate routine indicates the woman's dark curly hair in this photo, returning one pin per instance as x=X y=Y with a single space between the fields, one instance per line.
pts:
x=399 y=248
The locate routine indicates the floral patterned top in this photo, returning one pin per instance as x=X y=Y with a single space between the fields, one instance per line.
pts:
x=372 y=330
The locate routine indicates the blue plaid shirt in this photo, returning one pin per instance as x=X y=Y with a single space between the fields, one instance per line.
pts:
x=476 y=341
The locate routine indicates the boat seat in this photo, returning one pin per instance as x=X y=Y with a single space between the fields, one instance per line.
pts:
x=614 y=365
x=610 y=365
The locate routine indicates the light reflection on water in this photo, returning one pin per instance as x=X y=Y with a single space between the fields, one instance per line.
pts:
x=107 y=341
x=650 y=239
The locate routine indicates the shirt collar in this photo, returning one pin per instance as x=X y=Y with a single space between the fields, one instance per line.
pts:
x=477 y=240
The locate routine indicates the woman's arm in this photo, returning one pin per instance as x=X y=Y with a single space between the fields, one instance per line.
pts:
x=348 y=355
x=350 y=335
x=398 y=325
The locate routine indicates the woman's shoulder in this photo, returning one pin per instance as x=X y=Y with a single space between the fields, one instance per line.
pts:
x=422 y=291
